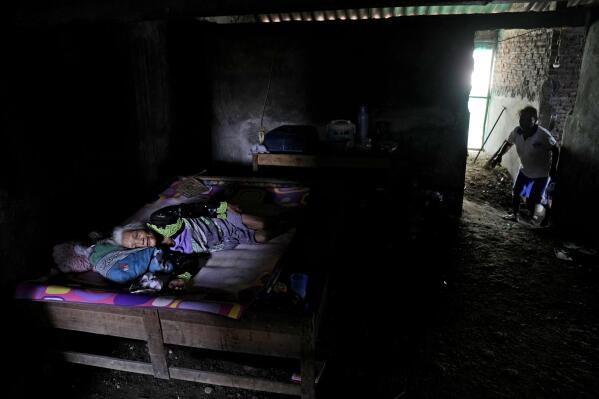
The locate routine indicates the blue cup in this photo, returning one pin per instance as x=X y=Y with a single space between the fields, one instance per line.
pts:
x=299 y=283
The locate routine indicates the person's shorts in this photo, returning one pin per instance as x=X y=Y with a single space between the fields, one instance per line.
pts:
x=534 y=189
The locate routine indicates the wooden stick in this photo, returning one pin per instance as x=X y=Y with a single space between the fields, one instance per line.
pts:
x=485 y=142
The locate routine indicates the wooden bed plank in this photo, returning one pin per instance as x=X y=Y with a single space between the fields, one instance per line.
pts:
x=222 y=379
x=251 y=320
x=96 y=319
x=254 y=181
x=155 y=343
x=108 y=362
x=229 y=380
x=96 y=307
x=236 y=339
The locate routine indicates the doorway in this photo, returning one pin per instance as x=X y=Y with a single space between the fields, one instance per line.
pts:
x=478 y=101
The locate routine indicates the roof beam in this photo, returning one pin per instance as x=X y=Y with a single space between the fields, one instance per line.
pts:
x=33 y=12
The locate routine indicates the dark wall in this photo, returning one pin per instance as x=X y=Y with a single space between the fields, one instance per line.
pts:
x=561 y=87
x=579 y=164
x=415 y=77
x=188 y=52
x=87 y=134
x=66 y=136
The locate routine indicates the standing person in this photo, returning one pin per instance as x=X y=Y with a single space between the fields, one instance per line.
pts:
x=538 y=153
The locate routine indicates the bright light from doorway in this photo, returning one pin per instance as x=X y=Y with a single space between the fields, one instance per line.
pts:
x=479 y=95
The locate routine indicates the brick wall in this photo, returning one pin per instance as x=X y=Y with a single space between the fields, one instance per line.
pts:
x=524 y=69
x=521 y=63
x=565 y=78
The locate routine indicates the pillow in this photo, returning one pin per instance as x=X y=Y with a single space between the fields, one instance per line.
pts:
x=125 y=265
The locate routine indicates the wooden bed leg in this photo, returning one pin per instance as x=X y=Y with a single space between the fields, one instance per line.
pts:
x=308 y=387
x=155 y=343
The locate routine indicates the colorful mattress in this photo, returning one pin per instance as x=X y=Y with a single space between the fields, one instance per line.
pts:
x=230 y=280
x=264 y=198
x=63 y=293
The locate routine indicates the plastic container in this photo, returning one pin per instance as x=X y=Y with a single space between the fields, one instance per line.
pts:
x=299 y=284
x=363 y=125
x=341 y=131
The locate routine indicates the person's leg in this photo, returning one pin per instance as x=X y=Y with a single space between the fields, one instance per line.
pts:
x=538 y=192
x=282 y=221
x=246 y=220
x=261 y=229
x=548 y=202
x=525 y=194
x=255 y=222
x=547 y=217
x=262 y=236
x=519 y=184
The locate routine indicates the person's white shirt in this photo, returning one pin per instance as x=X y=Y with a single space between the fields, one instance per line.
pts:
x=534 y=151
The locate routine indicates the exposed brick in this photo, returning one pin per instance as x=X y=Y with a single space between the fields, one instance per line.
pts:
x=524 y=63
x=516 y=63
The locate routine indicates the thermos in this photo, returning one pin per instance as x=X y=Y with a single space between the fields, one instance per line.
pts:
x=363 y=125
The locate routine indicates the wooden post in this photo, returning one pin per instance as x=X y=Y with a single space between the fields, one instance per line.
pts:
x=151 y=84
x=155 y=343
x=308 y=374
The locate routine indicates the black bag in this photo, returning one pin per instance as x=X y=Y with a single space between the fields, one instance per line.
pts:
x=191 y=263
x=297 y=139
x=170 y=214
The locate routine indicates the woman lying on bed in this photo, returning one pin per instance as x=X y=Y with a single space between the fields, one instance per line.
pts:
x=196 y=228
x=148 y=268
x=177 y=246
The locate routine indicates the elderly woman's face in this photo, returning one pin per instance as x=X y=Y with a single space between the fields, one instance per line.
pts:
x=138 y=239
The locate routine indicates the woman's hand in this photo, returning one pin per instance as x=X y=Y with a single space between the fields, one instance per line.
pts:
x=177 y=284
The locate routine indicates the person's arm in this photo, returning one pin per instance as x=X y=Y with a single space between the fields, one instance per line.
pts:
x=505 y=147
x=554 y=160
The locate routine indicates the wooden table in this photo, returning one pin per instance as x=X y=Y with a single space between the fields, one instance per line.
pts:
x=357 y=161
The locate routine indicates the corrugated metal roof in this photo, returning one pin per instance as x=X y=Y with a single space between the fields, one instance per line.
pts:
x=492 y=7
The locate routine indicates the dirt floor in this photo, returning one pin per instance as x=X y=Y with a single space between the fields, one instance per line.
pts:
x=515 y=321
x=488 y=312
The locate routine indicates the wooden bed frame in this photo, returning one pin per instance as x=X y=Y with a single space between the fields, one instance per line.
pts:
x=257 y=332
x=260 y=333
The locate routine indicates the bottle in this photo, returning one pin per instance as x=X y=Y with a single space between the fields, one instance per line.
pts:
x=363 y=125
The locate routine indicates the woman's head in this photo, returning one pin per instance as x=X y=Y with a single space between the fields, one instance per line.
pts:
x=133 y=236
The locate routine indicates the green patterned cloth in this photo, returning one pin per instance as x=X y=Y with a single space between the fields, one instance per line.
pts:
x=221 y=211
x=185 y=276
x=101 y=250
x=167 y=231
